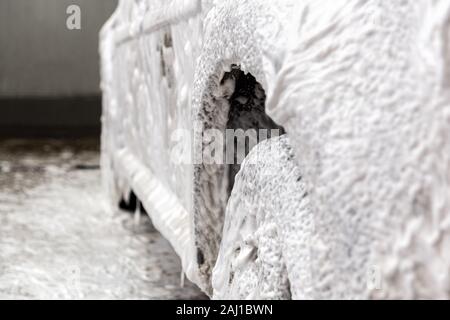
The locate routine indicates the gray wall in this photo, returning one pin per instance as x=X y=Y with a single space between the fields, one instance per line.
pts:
x=40 y=57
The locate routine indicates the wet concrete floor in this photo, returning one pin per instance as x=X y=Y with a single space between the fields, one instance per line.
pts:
x=58 y=240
